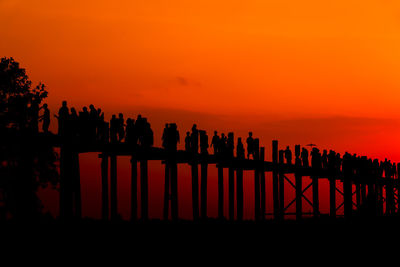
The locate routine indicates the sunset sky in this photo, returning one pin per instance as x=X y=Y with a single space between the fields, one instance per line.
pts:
x=325 y=72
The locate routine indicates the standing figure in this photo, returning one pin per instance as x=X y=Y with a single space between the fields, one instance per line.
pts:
x=215 y=142
x=45 y=118
x=62 y=117
x=130 y=131
x=250 y=145
x=195 y=139
x=304 y=157
x=288 y=155
x=164 y=137
x=187 y=142
x=240 y=149
x=121 y=127
x=113 y=129
x=230 y=144
x=203 y=142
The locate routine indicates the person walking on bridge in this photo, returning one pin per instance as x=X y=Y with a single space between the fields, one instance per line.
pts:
x=250 y=145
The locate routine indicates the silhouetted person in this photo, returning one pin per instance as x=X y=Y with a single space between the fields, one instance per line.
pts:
x=304 y=157
x=45 y=118
x=114 y=129
x=140 y=128
x=130 y=136
x=121 y=127
x=148 y=136
x=250 y=145
x=187 y=142
x=215 y=142
x=240 y=154
x=164 y=137
x=331 y=160
x=316 y=158
x=230 y=145
x=172 y=137
x=34 y=115
x=203 y=142
x=195 y=139
x=73 y=124
x=93 y=117
x=84 y=125
x=288 y=156
x=325 y=159
x=101 y=127
x=62 y=117
x=222 y=145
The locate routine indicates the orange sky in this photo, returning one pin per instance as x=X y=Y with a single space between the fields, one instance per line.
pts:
x=305 y=71
x=322 y=64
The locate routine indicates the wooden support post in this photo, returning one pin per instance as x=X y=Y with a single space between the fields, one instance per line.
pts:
x=203 y=185
x=379 y=196
x=66 y=184
x=195 y=190
x=315 y=190
x=134 y=200
x=281 y=184
x=332 y=197
x=299 y=196
x=257 y=184
x=113 y=187
x=220 y=192
x=104 y=187
x=231 y=193
x=262 y=178
x=144 y=197
x=348 y=197
x=372 y=200
x=363 y=194
x=239 y=194
x=174 y=191
x=166 y=191
x=77 y=186
x=275 y=180
x=358 y=195
x=389 y=196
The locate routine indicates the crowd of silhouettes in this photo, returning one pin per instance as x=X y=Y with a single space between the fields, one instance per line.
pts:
x=89 y=125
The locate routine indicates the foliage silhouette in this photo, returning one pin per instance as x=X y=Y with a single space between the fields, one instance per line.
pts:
x=27 y=162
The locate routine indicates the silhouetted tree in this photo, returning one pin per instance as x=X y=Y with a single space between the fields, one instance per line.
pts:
x=27 y=161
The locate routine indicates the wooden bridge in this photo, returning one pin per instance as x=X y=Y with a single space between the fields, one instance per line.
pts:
x=371 y=187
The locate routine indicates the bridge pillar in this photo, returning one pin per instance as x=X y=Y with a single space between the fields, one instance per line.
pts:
x=332 y=197
x=239 y=193
x=66 y=183
x=389 y=196
x=134 y=200
x=104 y=187
x=144 y=197
x=275 y=179
x=203 y=185
x=315 y=191
x=167 y=195
x=358 y=195
x=363 y=193
x=220 y=192
x=262 y=178
x=174 y=190
x=231 y=193
x=195 y=190
x=299 y=195
x=257 y=184
x=113 y=187
x=77 y=185
x=281 y=186
x=347 y=197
